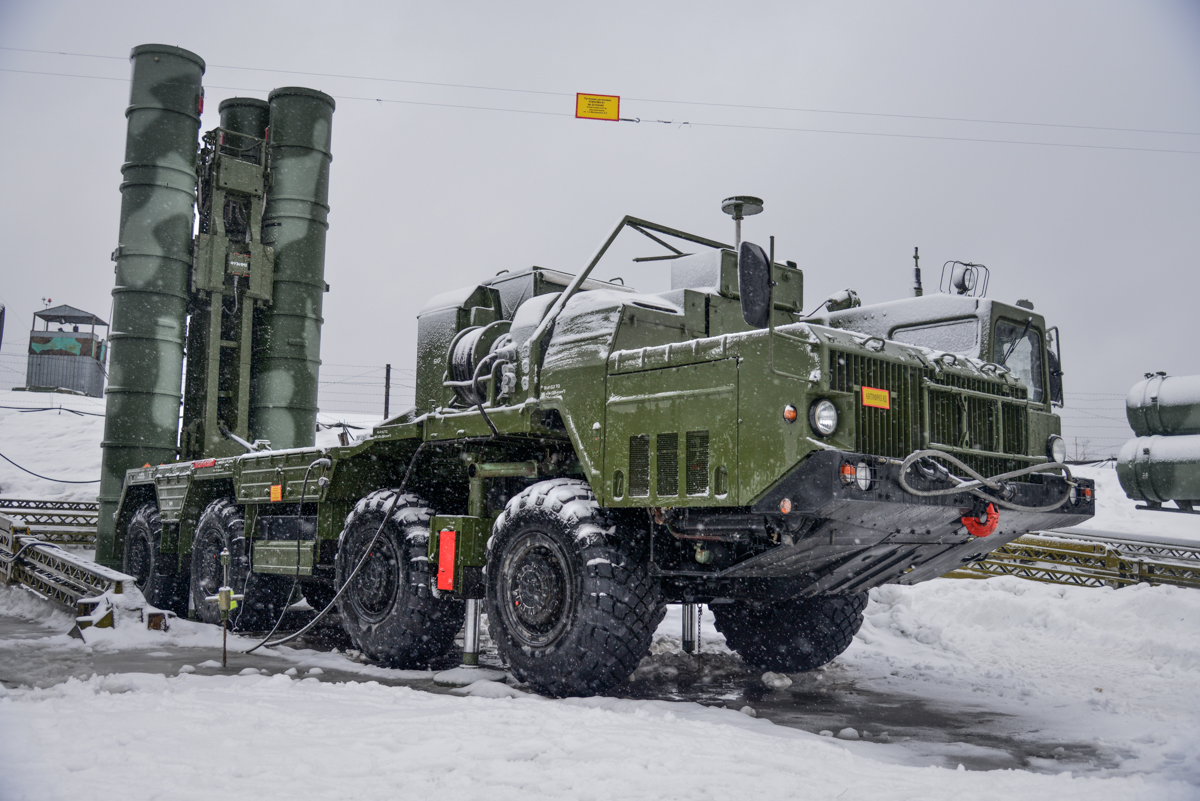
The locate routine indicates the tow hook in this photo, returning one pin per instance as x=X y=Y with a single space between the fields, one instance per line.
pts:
x=982 y=524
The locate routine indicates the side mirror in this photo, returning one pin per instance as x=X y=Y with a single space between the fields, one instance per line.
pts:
x=754 y=284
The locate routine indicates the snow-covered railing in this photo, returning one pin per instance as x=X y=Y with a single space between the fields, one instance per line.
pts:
x=50 y=571
x=60 y=522
x=1090 y=560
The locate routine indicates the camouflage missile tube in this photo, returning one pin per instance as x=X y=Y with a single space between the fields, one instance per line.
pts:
x=1163 y=463
x=153 y=256
x=283 y=401
x=246 y=115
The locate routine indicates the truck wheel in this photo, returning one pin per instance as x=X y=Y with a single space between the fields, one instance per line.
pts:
x=571 y=606
x=156 y=574
x=794 y=635
x=222 y=525
x=388 y=610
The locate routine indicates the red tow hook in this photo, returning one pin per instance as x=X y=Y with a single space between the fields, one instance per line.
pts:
x=982 y=526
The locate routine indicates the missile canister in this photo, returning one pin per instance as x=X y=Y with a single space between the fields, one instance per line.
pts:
x=245 y=115
x=1160 y=469
x=1162 y=404
x=153 y=255
x=283 y=400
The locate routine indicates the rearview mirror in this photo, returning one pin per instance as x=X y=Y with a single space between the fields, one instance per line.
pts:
x=754 y=284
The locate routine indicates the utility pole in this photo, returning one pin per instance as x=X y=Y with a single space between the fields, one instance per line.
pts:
x=387 y=389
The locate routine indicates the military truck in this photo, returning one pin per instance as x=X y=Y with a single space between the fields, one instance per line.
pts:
x=579 y=454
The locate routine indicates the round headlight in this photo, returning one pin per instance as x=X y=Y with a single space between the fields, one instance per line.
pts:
x=1056 y=449
x=862 y=476
x=823 y=417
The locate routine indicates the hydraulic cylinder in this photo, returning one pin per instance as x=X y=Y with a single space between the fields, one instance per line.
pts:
x=153 y=256
x=287 y=342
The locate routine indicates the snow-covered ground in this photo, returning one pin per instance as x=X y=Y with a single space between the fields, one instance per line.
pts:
x=1038 y=691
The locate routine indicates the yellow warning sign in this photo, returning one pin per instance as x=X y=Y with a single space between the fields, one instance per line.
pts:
x=879 y=398
x=597 y=107
x=276 y=493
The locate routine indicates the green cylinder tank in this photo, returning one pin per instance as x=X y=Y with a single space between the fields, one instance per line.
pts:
x=287 y=346
x=153 y=256
x=245 y=115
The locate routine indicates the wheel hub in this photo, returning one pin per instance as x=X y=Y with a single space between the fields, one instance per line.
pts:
x=375 y=586
x=539 y=588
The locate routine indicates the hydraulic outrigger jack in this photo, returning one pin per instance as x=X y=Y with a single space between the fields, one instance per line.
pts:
x=226 y=601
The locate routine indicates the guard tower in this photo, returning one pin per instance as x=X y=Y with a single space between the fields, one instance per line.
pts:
x=68 y=358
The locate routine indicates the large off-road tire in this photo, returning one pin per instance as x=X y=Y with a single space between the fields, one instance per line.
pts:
x=389 y=610
x=156 y=574
x=223 y=525
x=570 y=601
x=794 y=635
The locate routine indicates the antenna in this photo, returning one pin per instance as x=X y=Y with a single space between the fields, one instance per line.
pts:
x=738 y=207
x=917 y=290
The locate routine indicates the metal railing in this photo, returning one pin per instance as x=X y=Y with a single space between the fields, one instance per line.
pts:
x=1082 y=560
x=51 y=571
x=59 y=522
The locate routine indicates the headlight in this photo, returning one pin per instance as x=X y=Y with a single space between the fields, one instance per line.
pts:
x=823 y=417
x=862 y=476
x=1056 y=449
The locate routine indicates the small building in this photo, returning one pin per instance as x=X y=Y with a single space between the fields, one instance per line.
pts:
x=66 y=359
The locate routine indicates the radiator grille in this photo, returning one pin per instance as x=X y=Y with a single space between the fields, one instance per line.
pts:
x=960 y=421
x=639 y=466
x=668 y=465
x=697 y=463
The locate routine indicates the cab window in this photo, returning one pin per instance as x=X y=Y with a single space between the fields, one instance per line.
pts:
x=1023 y=348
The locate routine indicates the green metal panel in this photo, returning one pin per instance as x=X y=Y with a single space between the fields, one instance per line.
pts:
x=279 y=557
x=153 y=257
x=696 y=402
x=283 y=405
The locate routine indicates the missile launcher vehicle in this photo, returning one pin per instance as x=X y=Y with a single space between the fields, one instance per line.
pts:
x=579 y=454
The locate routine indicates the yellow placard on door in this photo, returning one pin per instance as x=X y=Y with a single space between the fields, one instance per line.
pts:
x=597 y=107
x=878 y=398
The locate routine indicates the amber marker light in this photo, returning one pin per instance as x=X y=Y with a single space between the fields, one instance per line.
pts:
x=790 y=414
x=785 y=505
x=847 y=473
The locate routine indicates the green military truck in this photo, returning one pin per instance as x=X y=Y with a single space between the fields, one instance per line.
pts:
x=579 y=454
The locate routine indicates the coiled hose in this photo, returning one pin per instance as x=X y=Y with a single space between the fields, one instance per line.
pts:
x=979 y=481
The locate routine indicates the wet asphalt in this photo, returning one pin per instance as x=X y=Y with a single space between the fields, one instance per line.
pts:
x=826 y=700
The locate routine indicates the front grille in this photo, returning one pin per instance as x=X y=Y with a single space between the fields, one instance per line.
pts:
x=639 y=466
x=668 y=465
x=697 y=463
x=882 y=432
x=955 y=420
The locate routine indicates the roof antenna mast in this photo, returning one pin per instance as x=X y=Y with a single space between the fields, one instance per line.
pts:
x=917 y=290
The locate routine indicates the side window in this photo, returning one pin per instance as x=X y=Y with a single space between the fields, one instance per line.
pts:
x=952 y=336
x=1023 y=349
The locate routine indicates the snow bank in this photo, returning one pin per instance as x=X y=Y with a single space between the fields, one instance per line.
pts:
x=203 y=737
x=1121 y=667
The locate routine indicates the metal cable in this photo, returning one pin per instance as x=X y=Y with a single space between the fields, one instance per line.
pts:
x=992 y=483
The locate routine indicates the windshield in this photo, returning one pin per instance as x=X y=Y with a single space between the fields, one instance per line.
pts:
x=1024 y=354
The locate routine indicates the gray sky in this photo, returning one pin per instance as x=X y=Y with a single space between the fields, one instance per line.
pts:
x=426 y=195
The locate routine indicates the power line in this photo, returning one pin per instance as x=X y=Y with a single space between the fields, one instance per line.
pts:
x=927 y=137
x=709 y=104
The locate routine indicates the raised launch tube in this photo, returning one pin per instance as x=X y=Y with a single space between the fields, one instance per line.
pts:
x=153 y=256
x=287 y=346
x=246 y=115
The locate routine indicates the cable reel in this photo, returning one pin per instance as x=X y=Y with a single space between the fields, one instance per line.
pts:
x=473 y=357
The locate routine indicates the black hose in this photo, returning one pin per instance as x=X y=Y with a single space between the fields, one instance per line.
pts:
x=46 y=478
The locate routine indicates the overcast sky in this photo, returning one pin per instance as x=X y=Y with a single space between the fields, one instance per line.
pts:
x=1098 y=227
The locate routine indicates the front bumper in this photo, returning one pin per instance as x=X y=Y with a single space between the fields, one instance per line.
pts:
x=865 y=538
